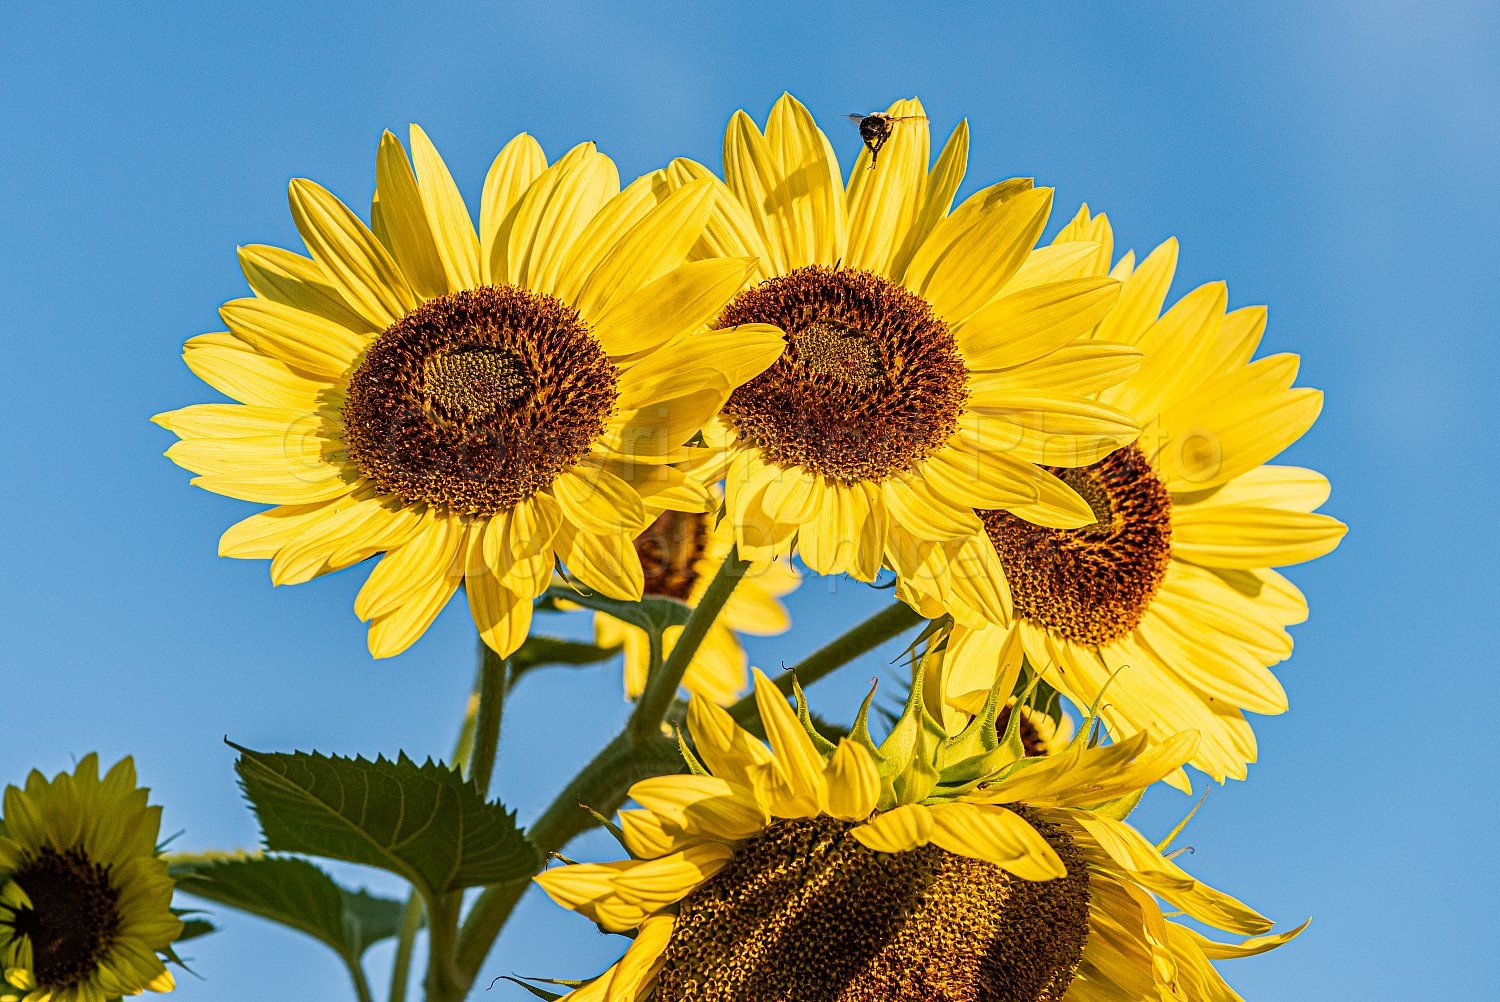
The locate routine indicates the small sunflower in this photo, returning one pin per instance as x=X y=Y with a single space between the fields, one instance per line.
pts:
x=932 y=867
x=920 y=379
x=85 y=903
x=1170 y=590
x=475 y=405
x=680 y=553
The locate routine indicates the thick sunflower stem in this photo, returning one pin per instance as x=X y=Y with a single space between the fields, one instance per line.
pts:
x=663 y=682
x=600 y=785
x=636 y=753
x=463 y=750
x=889 y=622
x=444 y=982
x=494 y=678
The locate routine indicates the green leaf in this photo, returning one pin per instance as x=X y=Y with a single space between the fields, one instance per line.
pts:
x=424 y=822
x=192 y=928
x=652 y=614
x=539 y=650
x=295 y=893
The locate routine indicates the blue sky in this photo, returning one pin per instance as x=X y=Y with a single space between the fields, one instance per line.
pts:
x=1335 y=161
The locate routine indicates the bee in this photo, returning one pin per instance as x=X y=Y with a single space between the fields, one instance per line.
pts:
x=876 y=127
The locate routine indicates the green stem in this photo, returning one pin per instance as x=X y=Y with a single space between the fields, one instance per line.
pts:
x=493 y=677
x=444 y=983
x=662 y=685
x=602 y=785
x=411 y=923
x=889 y=622
x=361 y=983
x=463 y=750
x=636 y=753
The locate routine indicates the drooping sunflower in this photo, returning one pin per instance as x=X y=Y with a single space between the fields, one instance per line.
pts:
x=473 y=404
x=680 y=552
x=932 y=867
x=85 y=902
x=931 y=364
x=1170 y=590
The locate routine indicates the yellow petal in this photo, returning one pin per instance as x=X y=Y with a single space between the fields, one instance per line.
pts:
x=1080 y=369
x=399 y=219
x=596 y=500
x=452 y=227
x=727 y=749
x=606 y=563
x=751 y=174
x=1049 y=428
x=852 y=781
x=796 y=759
x=678 y=303
x=942 y=185
x=995 y=835
x=886 y=202
x=1024 y=326
x=298 y=282
x=301 y=340
x=649 y=250
x=1141 y=297
x=430 y=581
x=516 y=167
x=645 y=957
x=235 y=369
x=359 y=266
x=970 y=256
x=552 y=214
x=810 y=192
x=897 y=830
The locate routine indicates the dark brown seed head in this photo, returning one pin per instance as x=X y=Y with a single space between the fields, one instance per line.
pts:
x=73 y=918
x=478 y=399
x=670 y=549
x=1093 y=585
x=871 y=382
x=805 y=912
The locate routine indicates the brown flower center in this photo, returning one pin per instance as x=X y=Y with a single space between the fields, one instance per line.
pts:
x=73 y=918
x=478 y=399
x=670 y=549
x=1094 y=584
x=870 y=384
x=804 y=911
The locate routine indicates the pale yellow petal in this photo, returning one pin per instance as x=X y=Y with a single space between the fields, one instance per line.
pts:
x=884 y=203
x=360 y=267
x=298 y=282
x=235 y=369
x=942 y=184
x=970 y=256
x=897 y=830
x=399 y=219
x=809 y=195
x=452 y=226
x=648 y=251
x=302 y=340
x=513 y=171
x=852 y=781
x=995 y=835
x=1024 y=326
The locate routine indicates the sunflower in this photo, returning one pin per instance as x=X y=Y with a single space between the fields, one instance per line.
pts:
x=923 y=375
x=85 y=903
x=1171 y=590
x=473 y=404
x=933 y=866
x=680 y=552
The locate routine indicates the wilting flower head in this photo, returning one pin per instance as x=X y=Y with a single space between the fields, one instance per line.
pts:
x=476 y=405
x=1170 y=590
x=934 y=866
x=85 y=903
x=930 y=363
x=680 y=552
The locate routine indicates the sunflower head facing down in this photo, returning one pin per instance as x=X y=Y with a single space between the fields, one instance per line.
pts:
x=476 y=405
x=932 y=361
x=1170 y=591
x=932 y=866
x=85 y=902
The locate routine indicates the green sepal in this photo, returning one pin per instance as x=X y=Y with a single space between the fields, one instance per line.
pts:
x=825 y=747
x=695 y=767
x=425 y=822
x=906 y=753
x=540 y=993
x=294 y=893
x=652 y=613
x=1120 y=808
x=538 y=651
x=977 y=751
x=608 y=825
